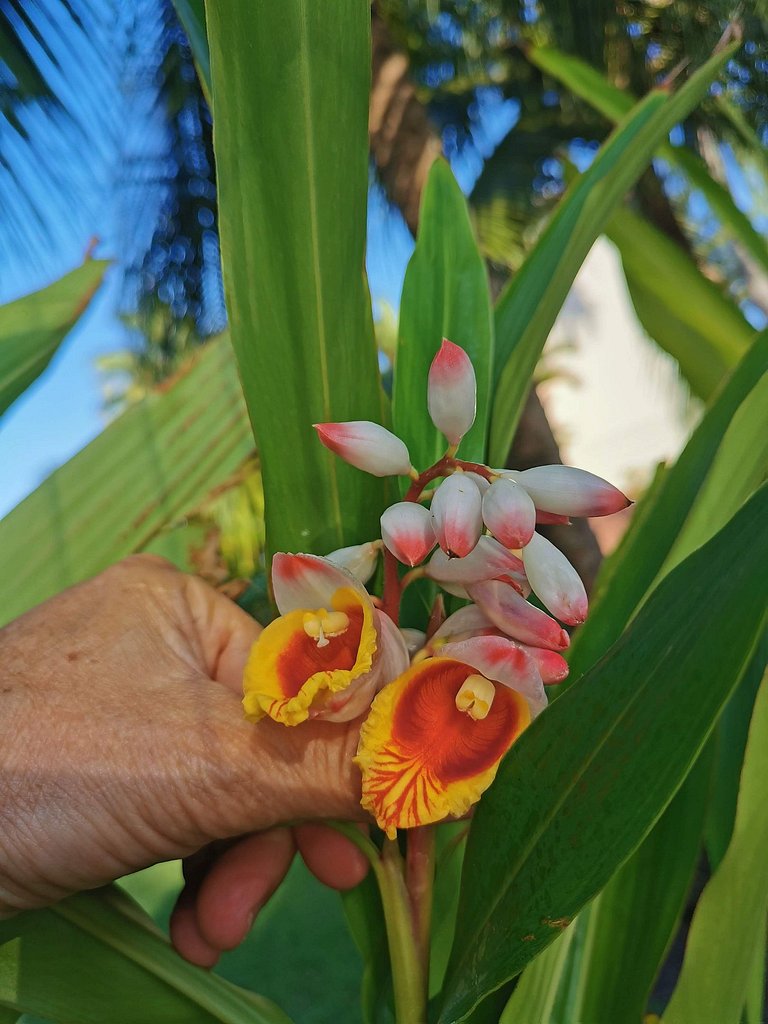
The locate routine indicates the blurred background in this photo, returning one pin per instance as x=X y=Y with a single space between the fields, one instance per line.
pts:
x=106 y=149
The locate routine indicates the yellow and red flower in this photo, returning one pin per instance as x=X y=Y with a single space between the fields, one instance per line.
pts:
x=434 y=738
x=327 y=653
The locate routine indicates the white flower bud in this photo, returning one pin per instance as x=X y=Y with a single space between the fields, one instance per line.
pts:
x=509 y=513
x=406 y=529
x=359 y=559
x=452 y=392
x=457 y=515
x=366 y=445
x=554 y=580
x=571 y=492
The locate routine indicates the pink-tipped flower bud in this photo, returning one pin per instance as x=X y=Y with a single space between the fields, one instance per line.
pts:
x=487 y=560
x=509 y=513
x=406 y=529
x=359 y=559
x=513 y=615
x=571 y=492
x=552 y=666
x=366 y=445
x=457 y=515
x=483 y=483
x=452 y=392
x=554 y=581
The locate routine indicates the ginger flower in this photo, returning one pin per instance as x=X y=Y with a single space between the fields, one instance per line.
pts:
x=327 y=653
x=444 y=705
x=434 y=738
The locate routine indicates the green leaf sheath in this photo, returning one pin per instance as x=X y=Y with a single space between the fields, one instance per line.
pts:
x=729 y=922
x=585 y=783
x=292 y=215
x=529 y=305
x=445 y=295
x=96 y=957
x=150 y=466
x=683 y=311
x=33 y=327
x=589 y=85
x=628 y=574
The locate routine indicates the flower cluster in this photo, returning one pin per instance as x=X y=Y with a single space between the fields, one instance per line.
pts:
x=445 y=705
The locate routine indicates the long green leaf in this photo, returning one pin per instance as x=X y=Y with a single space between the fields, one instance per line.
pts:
x=33 y=327
x=96 y=957
x=683 y=311
x=627 y=576
x=586 y=782
x=590 y=85
x=290 y=95
x=445 y=295
x=536 y=993
x=729 y=921
x=620 y=968
x=528 y=308
x=154 y=463
x=732 y=731
x=635 y=917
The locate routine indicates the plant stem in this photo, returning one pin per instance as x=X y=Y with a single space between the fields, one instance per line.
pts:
x=419 y=878
x=408 y=976
x=444 y=467
x=393 y=591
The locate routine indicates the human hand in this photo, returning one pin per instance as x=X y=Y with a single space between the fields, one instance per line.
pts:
x=123 y=744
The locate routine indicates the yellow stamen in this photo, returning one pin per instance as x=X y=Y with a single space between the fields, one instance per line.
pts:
x=323 y=624
x=475 y=697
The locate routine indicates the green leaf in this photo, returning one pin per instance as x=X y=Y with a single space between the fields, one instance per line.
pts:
x=191 y=14
x=529 y=305
x=739 y=467
x=729 y=921
x=683 y=311
x=589 y=85
x=732 y=731
x=365 y=918
x=445 y=295
x=97 y=957
x=585 y=783
x=451 y=841
x=535 y=995
x=290 y=95
x=150 y=466
x=33 y=327
x=628 y=574
x=634 y=919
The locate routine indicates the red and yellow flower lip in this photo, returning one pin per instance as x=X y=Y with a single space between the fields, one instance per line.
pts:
x=323 y=657
x=434 y=738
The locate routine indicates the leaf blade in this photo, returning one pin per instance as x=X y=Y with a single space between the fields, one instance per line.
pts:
x=585 y=778
x=151 y=465
x=292 y=233
x=33 y=327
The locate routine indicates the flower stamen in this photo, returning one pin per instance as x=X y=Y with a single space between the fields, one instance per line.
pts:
x=476 y=697
x=322 y=625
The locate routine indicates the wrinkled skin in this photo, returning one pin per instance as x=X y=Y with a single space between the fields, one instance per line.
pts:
x=122 y=743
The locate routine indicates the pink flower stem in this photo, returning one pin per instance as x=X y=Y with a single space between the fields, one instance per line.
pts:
x=393 y=590
x=419 y=876
x=444 y=467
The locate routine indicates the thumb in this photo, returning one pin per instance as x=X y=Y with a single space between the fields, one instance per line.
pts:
x=226 y=633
